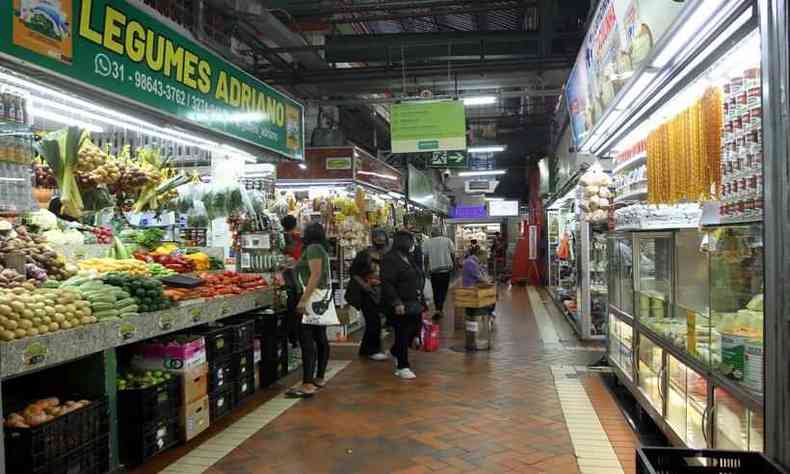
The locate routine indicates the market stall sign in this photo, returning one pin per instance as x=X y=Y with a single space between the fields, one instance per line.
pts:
x=376 y=172
x=420 y=188
x=622 y=35
x=113 y=46
x=428 y=126
x=448 y=159
x=316 y=168
x=469 y=212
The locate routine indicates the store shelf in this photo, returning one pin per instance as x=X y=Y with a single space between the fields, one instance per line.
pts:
x=631 y=196
x=36 y=353
x=635 y=161
x=722 y=221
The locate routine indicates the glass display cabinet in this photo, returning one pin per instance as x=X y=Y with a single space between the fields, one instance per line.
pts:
x=697 y=330
x=653 y=281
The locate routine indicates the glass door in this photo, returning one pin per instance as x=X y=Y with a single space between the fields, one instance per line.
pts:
x=651 y=370
x=736 y=427
x=654 y=282
x=690 y=328
x=626 y=274
x=687 y=401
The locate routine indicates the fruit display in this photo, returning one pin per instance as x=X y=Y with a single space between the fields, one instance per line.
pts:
x=107 y=265
x=148 y=293
x=44 y=178
x=177 y=263
x=103 y=235
x=135 y=381
x=42 y=411
x=594 y=194
x=28 y=313
x=36 y=252
x=10 y=278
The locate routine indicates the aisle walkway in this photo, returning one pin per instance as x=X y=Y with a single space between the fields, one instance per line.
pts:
x=503 y=411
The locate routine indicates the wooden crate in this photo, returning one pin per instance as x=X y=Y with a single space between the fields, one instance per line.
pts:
x=477 y=297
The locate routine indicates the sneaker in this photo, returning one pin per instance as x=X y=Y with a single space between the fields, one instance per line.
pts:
x=405 y=374
x=379 y=356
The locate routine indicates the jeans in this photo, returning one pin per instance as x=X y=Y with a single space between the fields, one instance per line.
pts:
x=440 y=281
x=315 y=352
x=406 y=329
x=293 y=319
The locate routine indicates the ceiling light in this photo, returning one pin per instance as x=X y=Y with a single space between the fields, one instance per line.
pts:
x=302 y=166
x=395 y=195
x=486 y=149
x=703 y=16
x=495 y=199
x=481 y=100
x=482 y=173
x=379 y=175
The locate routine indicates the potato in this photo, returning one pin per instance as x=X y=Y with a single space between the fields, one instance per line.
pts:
x=10 y=324
x=65 y=325
x=59 y=308
x=32 y=332
x=58 y=318
x=85 y=320
x=6 y=335
x=54 y=326
x=71 y=308
x=27 y=314
x=18 y=306
x=19 y=333
x=37 y=321
x=50 y=310
x=6 y=310
x=46 y=320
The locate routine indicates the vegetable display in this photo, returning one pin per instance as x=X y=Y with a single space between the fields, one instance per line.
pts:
x=107 y=301
x=36 y=252
x=25 y=313
x=147 y=293
x=108 y=265
x=60 y=150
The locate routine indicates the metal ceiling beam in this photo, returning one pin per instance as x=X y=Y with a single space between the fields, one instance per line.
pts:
x=418 y=14
x=333 y=8
x=391 y=100
x=363 y=74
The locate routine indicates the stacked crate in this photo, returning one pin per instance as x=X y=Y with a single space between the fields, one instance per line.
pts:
x=148 y=421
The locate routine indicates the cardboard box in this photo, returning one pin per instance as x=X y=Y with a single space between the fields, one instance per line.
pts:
x=194 y=418
x=170 y=356
x=194 y=383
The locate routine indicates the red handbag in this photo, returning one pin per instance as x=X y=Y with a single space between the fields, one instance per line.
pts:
x=430 y=336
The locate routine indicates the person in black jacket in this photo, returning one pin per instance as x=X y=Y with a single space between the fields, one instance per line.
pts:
x=364 y=293
x=402 y=281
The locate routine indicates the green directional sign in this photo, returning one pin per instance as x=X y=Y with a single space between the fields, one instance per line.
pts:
x=113 y=46
x=423 y=126
x=448 y=159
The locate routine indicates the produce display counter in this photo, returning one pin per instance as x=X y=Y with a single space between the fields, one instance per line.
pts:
x=30 y=354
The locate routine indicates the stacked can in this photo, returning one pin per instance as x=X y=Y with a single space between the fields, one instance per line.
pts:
x=742 y=150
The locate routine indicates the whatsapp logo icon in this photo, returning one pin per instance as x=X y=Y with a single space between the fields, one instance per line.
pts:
x=102 y=65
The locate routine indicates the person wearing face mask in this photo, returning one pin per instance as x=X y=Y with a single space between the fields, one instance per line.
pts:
x=402 y=281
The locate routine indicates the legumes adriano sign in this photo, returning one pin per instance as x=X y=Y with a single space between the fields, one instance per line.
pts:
x=112 y=45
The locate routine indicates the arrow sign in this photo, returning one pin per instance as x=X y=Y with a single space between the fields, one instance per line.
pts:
x=448 y=159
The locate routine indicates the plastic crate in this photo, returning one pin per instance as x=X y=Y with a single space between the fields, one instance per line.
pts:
x=219 y=340
x=143 y=405
x=36 y=448
x=242 y=332
x=140 y=443
x=92 y=458
x=220 y=374
x=702 y=461
x=220 y=403
x=242 y=364
x=243 y=389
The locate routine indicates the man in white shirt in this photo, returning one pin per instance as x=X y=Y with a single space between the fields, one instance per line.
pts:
x=439 y=251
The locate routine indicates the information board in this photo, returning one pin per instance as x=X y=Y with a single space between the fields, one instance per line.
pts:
x=437 y=125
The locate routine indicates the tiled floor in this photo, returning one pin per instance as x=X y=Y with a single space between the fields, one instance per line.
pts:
x=498 y=411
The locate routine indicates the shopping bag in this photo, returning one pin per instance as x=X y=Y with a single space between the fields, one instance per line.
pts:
x=430 y=336
x=427 y=291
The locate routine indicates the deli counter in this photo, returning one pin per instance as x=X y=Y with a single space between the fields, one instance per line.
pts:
x=685 y=331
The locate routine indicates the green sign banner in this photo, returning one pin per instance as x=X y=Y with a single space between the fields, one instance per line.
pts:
x=113 y=46
x=428 y=126
x=448 y=159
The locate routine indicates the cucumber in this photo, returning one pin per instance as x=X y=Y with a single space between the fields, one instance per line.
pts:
x=125 y=302
x=128 y=309
x=101 y=307
x=107 y=314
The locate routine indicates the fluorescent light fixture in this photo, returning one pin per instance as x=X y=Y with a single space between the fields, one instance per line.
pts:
x=302 y=166
x=703 y=17
x=482 y=173
x=62 y=119
x=481 y=100
x=379 y=175
x=639 y=87
x=395 y=195
x=486 y=149
x=302 y=184
x=494 y=199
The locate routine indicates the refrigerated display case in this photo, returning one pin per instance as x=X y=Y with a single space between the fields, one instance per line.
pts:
x=697 y=330
x=562 y=256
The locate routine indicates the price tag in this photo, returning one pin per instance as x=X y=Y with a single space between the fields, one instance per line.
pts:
x=197 y=315
x=166 y=321
x=127 y=331
x=35 y=354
